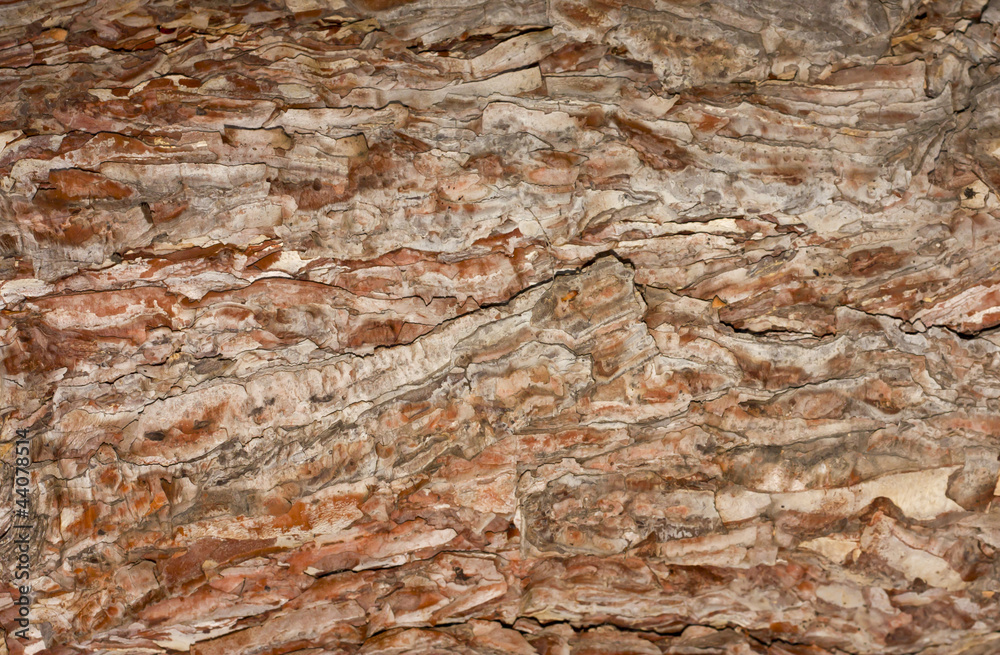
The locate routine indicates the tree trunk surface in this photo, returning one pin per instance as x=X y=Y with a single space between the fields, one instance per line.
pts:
x=521 y=326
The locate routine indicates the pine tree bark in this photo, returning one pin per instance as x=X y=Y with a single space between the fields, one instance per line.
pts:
x=534 y=326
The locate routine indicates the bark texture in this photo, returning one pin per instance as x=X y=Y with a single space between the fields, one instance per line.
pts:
x=524 y=326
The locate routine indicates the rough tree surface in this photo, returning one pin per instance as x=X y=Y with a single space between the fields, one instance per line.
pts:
x=521 y=326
